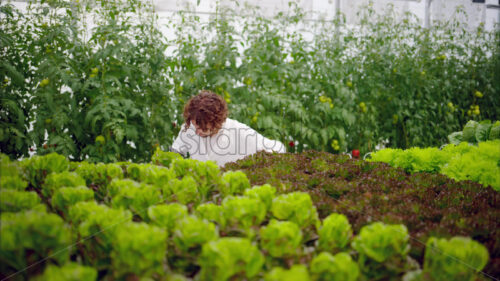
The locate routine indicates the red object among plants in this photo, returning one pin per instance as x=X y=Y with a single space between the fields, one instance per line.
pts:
x=355 y=153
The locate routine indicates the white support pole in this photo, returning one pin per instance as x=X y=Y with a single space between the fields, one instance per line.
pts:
x=427 y=22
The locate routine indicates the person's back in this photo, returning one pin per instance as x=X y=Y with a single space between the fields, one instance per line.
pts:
x=215 y=137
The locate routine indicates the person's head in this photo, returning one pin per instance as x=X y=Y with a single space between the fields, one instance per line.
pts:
x=207 y=112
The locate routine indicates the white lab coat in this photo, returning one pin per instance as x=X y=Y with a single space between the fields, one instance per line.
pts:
x=234 y=141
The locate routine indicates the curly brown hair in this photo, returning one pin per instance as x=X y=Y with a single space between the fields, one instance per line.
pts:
x=207 y=109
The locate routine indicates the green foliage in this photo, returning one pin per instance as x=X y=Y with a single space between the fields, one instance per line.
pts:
x=382 y=249
x=99 y=174
x=264 y=193
x=96 y=225
x=381 y=242
x=100 y=93
x=167 y=215
x=478 y=163
x=65 y=197
x=242 y=212
x=10 y=174
x=296 y=207
x=38 y=167
x=227 y=257
x=295 y=273
x=12 y=200
x=44 y=234
x=191 y=232
x=164 y=158
x=341 y=267
x=235 y=182
x=281 y=239
x=183 y=191
x=453 y=259
x=212 y=212
x=55 y=181
x=137 y=198
x=334 y=233
x=68 y=272
x=139 y=248
x=475 y=132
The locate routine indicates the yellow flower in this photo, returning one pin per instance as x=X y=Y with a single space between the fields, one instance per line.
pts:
x=478 y=94
x=349 y=84
x=95 y=70
x=44 y=82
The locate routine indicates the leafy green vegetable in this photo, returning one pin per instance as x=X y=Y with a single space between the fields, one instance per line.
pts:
x=212 y=212
x=12 y=200
x=341 y=267
x=45 y=234
x=191 y=232
x=295 y=273
x=55 y=181
x=454 y=259
x=68 y=272
x=380 y=242
x=164 y=158
x=139 y=248
x=227 y=257
x=38 y=167
x=264 y=193
x=243 y=212
x=235 y=182
x=167 y=215
x=137 y=199
x=68 y=196
x=296 y=207
x=334 y=233
x=184 y=191
x=281 y=239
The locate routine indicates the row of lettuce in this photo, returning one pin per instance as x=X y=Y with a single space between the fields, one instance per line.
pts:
x=175 y=219
x=479 y=163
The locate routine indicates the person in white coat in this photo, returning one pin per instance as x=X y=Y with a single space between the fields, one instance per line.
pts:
x=208 y=134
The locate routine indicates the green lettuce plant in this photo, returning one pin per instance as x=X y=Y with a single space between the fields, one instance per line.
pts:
x=459 y=258
x=184 y=191
x=230 y=257
x=38 y=167
x=163 y=158
x=241 y=213
x=55 y=181
x=68 y=272
x=212 y=212
x=382 y=249
x=12 y=200
x=341 y=267
x=297 y=272
x=140 y=249
x=99 y=174
x=192 y=232
x=234 y=182
x=296 y=207
x=167 y=215
x=96 y=226
x=334 y=233
x=281 y=239
x=68 y=196
x=137 y=199
x=43 y=234
x=264 y=193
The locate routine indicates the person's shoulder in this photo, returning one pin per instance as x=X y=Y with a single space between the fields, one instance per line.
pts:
x=232 y=123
